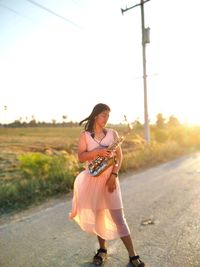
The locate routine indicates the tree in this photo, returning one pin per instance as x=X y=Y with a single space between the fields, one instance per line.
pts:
x=160 y=122
x=32 y=122
x=53 y=121
x=64 y=117
x=173 y=121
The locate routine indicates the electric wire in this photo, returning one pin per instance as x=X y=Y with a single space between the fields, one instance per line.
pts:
x=53 y=13
x=17 y=13
x=35 y=21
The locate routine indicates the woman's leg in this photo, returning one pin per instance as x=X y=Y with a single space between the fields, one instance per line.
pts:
x=129 y=245
x=131 y=251
x=123 y=229
x=120 y=221
x=102 y=242
x=101 y=254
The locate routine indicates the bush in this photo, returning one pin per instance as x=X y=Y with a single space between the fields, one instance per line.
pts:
x=41 y=176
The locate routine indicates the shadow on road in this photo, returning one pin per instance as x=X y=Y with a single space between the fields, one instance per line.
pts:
x=89 y=264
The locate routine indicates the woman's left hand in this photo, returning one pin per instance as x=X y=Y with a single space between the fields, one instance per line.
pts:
x=111 y=183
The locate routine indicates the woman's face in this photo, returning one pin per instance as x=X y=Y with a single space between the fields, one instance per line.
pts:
x=102 y=118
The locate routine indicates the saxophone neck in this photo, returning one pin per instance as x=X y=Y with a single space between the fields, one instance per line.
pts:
x=117 y=142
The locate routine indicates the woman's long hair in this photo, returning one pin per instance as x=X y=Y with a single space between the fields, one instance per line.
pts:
x=91 y=118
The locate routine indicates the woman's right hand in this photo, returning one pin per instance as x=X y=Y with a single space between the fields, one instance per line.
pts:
x=103 y=152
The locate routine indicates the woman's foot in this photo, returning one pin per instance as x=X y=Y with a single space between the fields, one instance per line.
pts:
x=136 y=262
x=100 y=257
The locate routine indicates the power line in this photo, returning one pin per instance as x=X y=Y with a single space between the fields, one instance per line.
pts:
x=53 y=13
x=20 y=14
x=17 y=13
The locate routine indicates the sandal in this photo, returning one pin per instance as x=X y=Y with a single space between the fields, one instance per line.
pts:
x=138 y=262
x=99 y=258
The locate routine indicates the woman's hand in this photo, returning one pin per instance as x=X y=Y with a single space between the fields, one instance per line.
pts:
x=111 y=183
x=103 y=152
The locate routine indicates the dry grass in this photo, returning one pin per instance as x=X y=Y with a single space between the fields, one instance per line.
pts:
x=15 y=188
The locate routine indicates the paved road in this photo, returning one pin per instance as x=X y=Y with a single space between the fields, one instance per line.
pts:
x=162 y=207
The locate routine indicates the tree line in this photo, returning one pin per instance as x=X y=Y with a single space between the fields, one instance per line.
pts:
x=161 y=122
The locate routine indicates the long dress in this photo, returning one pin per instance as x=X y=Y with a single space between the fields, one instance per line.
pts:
x=94 y=208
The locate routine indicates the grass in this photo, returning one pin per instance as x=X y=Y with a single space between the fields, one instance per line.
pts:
x=36 y=163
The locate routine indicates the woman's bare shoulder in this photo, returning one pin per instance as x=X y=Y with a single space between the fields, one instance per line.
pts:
x=84 y=134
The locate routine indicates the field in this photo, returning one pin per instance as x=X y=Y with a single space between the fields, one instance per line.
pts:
x=37 y=163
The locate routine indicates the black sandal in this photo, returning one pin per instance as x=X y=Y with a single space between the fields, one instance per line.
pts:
x=98 y=259
x=134 y=258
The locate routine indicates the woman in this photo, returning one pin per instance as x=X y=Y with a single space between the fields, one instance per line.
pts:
x=97 y=203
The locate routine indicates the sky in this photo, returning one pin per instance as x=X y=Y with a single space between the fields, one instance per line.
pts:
x=62 y=57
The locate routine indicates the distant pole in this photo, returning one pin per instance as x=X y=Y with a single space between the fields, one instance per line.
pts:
x=5 y=114
x=145 y=39
x=146 y=117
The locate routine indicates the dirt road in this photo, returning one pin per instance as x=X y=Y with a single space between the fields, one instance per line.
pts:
x=162 y=207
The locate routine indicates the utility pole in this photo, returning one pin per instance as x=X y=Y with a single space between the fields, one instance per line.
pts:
x=145 y=40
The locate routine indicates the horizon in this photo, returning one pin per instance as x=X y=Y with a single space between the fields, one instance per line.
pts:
x=65 y=121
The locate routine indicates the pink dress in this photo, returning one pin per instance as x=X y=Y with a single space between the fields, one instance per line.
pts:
x=94 y=208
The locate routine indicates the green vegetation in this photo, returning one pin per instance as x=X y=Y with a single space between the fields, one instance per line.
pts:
x=36 y=163
x=40 y=176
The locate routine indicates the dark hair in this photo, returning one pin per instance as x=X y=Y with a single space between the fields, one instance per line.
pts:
x=90 y=119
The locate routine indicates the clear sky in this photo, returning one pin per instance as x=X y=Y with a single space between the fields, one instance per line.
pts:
x=61 y=57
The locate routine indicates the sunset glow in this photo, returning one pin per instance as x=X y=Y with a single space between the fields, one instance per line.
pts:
x=51 y=67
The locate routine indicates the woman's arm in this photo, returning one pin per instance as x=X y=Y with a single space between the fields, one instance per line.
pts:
x=119 y=155
x=111 y=182
x=84 y=155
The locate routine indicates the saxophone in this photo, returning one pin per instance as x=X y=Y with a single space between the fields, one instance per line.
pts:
x=100 y=164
